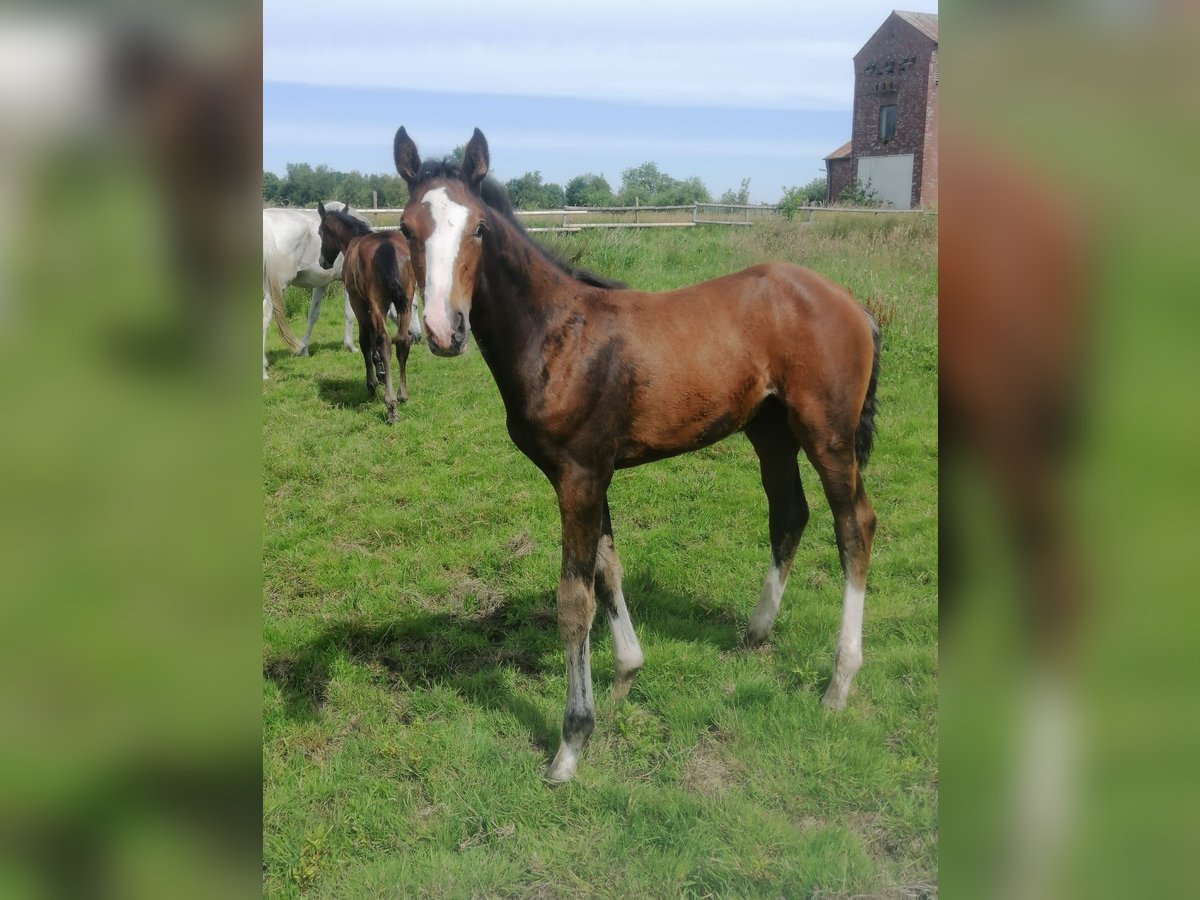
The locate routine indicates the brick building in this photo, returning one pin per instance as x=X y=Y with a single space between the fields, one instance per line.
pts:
x=894 y=136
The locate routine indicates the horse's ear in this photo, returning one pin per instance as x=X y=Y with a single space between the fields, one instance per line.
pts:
x=320 y=209
x=475 y=159
x=408 y=161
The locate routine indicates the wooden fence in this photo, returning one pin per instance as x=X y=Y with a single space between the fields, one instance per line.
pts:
x=577 y=218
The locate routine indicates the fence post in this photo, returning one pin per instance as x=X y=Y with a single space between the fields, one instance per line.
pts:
x=564 y=219
x=374 y=199
x=695 y=206
x=636 y=204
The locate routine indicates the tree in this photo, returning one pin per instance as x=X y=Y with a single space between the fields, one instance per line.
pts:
x=529 y=192
x=272 y=185
x=589 y=190
x=741 y=198
x=655 y=188
x=644 y=182
x=804 y=195
x=858 y=194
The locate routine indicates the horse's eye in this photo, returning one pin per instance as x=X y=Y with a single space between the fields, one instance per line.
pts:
x=480 y=229
x=404 y=230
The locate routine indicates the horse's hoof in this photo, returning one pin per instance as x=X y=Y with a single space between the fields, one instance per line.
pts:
x=833 y=700
x=303 y=351
x=563 y=768
x=350 y=348
x=755 y=639
x=620 y=688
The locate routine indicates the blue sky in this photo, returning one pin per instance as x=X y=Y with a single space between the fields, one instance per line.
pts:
x=723 y=91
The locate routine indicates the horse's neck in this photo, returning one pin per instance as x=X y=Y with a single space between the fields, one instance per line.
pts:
x=520 y=298
x=343 y=235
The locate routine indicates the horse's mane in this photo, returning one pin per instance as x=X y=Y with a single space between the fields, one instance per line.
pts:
x=357 y=226
x=496 y=197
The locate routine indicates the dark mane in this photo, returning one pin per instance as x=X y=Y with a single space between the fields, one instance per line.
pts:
x=496 y=197
x=357 y=226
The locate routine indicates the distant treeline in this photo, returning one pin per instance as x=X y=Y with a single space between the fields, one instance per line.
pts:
x=304 y=186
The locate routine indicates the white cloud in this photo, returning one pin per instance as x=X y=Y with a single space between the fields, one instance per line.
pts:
x=753 y=54
x=291 y=134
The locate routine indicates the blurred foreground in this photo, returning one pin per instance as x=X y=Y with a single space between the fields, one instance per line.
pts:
x=1069 y=729
x=131 y=488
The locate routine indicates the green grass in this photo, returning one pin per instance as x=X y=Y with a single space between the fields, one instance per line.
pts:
x=413 y=677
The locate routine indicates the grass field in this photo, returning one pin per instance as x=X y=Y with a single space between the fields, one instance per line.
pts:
x=413 y=676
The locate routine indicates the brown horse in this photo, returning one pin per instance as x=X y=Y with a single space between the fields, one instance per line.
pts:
x=377 y=273
x=596 y=379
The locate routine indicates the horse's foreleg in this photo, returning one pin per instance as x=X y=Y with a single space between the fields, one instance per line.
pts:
x=348 y=334
x=314 y=313
x=627 y=652
x=414 y=320
x=787 y=512
x=581 y=503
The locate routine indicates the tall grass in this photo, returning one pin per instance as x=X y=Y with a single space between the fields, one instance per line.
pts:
x=413 y=678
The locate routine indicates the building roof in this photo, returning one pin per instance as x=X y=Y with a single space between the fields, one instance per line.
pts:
x=841 y=152
x=926 y=23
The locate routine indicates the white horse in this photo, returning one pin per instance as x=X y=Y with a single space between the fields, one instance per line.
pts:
x=291 y=247
x=291 y=252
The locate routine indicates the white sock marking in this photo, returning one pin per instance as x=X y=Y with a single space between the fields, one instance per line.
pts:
x=767 y=609
x=848 y=658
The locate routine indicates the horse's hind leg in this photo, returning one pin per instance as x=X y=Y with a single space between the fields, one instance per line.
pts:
x=266 y=324
x=777 y=449
x=627 y=652
x=385 y=357
x=314 y=312
x=854 y=527
x=366 y=341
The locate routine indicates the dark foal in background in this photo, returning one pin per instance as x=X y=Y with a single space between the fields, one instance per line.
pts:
x=377 y=273
x=596 y=379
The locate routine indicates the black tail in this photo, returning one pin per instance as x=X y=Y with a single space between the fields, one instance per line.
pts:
x=864 y=437
x=387 y=270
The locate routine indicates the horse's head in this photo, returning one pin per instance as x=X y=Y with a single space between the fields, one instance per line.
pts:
x=445 y=223
x=330 y=246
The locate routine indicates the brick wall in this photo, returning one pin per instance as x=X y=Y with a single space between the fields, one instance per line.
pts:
x=840 y=174
x=894 y=67
x=929 y=171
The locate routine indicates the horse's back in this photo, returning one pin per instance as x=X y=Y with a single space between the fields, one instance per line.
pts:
x=704 y=358
x=376 y=266
x=766 y=315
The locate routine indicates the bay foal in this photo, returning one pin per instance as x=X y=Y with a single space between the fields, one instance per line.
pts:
x=377 y=273
x=596 y=379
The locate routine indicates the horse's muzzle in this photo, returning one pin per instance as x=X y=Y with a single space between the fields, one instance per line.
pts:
x=458 y=338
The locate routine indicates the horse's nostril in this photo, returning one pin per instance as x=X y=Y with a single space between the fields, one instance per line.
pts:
x=460 y=323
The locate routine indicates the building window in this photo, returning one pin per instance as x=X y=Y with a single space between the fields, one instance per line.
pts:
x=887 y=123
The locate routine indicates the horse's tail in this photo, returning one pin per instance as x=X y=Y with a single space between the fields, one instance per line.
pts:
x=275 y=292
x=864 y=437
x=387 y=271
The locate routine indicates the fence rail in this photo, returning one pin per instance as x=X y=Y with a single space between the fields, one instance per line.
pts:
x=572 y=218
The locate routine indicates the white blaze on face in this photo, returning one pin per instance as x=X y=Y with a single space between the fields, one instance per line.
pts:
x=441 y=254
